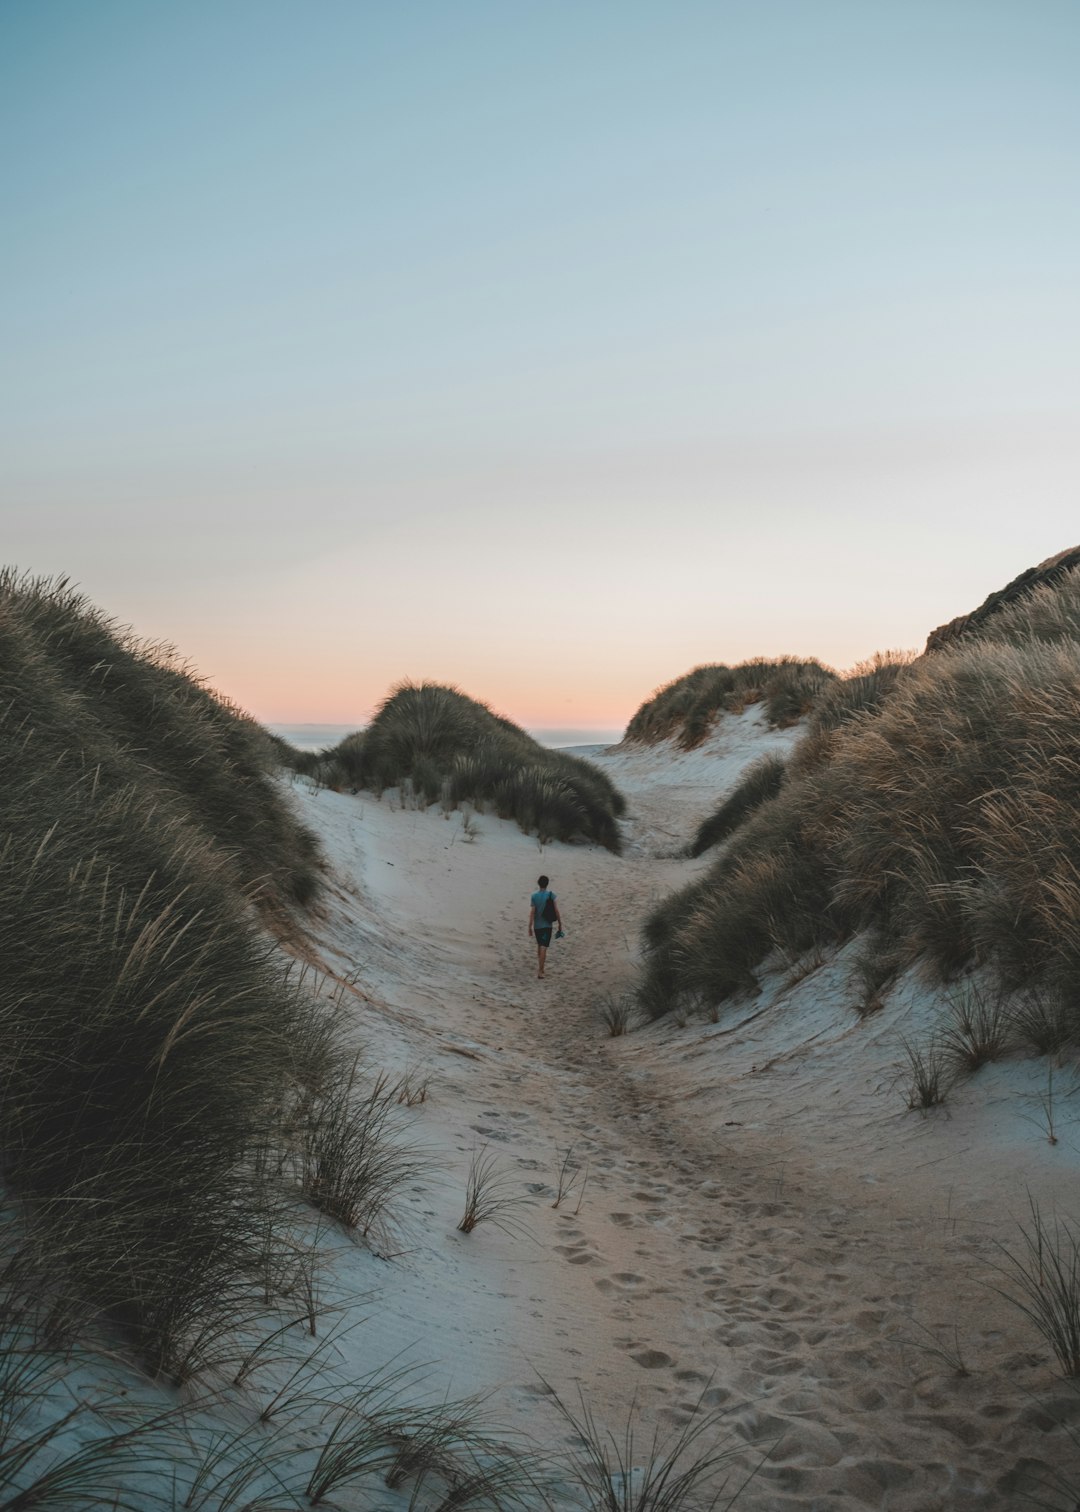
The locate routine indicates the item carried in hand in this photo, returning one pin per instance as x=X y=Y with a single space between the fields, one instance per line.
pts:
x=560 y=934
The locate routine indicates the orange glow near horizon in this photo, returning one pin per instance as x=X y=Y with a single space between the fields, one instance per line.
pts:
x=337 y=690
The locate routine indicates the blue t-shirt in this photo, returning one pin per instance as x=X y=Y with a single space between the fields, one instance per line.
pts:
x=538 y=900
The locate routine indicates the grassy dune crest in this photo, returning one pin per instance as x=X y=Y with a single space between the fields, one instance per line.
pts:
x=688 y=707
x=858 y=692
x=453 y=749
x=944 y=815
x=154 y=1053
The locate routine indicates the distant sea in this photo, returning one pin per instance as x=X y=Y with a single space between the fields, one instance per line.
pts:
x=316 y=737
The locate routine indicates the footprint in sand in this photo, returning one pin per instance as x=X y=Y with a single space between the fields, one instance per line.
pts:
x=641 y=1354
x=576 y=1254
x=652 y=1359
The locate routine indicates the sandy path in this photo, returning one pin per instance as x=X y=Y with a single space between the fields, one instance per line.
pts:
x=732 y=1260
x=725 y=1255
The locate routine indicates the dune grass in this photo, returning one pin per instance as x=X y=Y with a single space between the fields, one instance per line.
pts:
x=939 y=809
x=687 y=708
x=1042 y=1279
x=451 y=749
x=82 y=687
x=159 y=1064
x=761 y=780
x=688 y=1470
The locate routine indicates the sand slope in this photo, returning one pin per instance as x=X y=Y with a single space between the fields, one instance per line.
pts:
x=763 y=1219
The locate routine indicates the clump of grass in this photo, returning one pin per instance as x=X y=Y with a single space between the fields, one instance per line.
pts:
x=941 y=1343
x=570 y=1175
x=412 y=1087
x=451 y=749
x=688 y=707
x=1046 y=1103
x=978 y=1029
x=873 y=968
x=1043 y=1281
x=490 y=1197
x=689 y=1469
x=930 y=1074
x=617 y=1013
x=1045 y=1020
x=761 y=781
x=354 y=1156
x=799 y=968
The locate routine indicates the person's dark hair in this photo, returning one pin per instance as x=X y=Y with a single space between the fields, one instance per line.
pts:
x=541 y=881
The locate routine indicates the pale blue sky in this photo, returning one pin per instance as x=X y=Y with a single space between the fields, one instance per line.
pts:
x=344 y=342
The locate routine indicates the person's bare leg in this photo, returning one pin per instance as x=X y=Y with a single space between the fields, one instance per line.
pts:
x=541 y=957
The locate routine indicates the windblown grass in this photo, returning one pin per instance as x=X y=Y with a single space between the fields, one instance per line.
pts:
x=158 y=1063
x=75 y=684
x=452 y=749
x=688 y=707
x=690 y=1470
x=939 y=809
x=1043 y=1281
x=761 y=781
x=355 y=1157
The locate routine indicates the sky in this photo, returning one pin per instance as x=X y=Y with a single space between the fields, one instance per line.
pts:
x=545 y=349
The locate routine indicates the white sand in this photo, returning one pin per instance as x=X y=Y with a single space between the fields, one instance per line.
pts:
x=762 y=1213
x=763 y=1219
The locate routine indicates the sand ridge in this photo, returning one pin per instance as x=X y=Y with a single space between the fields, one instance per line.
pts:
x=762 y=1221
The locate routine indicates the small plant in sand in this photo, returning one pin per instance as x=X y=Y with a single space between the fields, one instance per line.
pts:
x=1046 y=1099
x=805 y=964
x=873 y=968
x=1043 y=1281
x=489 y=1198
x=930 y=1074
x=570 y=1174
x=674 y=1474
x=616 y=1013
x=977 y=1030
x=941 y=1343
x=413 y=1087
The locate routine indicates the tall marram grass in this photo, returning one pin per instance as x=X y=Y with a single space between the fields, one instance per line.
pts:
x=688 y=707
x=154 y=1054
x=761 y=781
x=452 y=748
x=142 y=712
x=946 y=817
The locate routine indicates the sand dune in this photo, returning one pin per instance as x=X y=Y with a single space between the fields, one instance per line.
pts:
x=763 y=1221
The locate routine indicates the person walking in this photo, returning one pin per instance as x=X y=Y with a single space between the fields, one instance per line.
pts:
x=543 y=914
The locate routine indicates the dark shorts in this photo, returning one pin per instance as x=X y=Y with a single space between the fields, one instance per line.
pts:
x=543 y=934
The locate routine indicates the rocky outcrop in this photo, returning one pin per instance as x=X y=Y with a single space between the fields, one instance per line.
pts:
x=966 y=624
